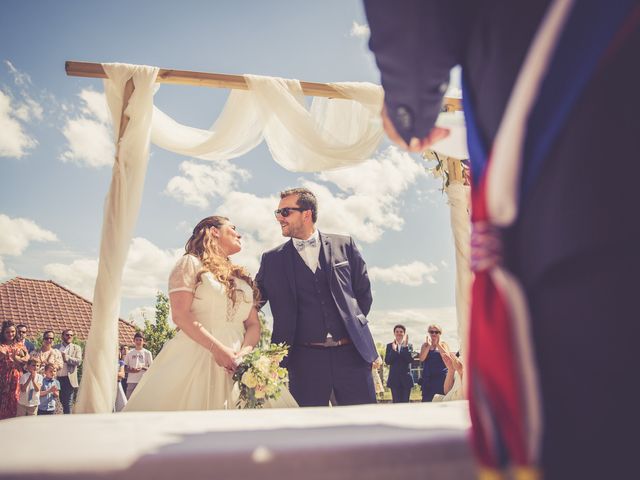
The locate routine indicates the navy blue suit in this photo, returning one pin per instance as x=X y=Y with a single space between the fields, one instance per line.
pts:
x=574 y=246
x=399 y=380
x=306 y=306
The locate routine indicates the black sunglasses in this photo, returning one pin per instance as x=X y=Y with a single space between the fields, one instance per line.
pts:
x=434 y=332
x=286 y=211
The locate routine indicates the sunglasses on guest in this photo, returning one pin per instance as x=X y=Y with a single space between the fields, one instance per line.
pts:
x=286 y=211
x=48 y=338
x=434 y=332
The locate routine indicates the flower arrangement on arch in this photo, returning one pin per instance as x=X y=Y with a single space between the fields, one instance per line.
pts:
x=260 y=377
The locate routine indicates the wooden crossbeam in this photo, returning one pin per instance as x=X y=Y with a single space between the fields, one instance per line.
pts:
x=219 y=80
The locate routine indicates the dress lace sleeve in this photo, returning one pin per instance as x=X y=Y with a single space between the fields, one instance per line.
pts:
x=183 y=275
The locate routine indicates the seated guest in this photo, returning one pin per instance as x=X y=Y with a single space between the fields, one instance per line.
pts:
x=434 y=370
x=49 y=391
x=30 y=383
x=454 y=381
x=399 y=357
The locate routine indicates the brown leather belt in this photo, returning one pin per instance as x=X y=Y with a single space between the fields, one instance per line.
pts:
x=328 y=343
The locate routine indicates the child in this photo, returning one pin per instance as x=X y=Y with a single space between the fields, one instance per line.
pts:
x=30 y=383
x=49 y=391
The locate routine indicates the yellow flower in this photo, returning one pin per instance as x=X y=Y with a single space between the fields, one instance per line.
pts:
x=249 y=379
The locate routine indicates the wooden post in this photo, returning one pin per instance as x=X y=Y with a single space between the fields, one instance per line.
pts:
x=220 y=80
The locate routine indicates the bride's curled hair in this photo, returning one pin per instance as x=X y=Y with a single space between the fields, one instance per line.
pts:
x=204 y=245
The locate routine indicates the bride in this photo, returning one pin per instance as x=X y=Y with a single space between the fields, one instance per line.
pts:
x=213 y=302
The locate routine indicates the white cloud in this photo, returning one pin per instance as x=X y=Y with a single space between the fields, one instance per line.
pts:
x=88 y=135
x=412 y=274
x=359 y=30
x=17 y=233
x=15 y=236
x=416 y=320
x=146 y=271
x=19 y=78
x=14 y=141
x=369 y=202
x=137 y=316
x=200 y=182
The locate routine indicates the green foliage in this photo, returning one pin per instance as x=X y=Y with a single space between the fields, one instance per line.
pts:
x=265 y=333
x=158 y=332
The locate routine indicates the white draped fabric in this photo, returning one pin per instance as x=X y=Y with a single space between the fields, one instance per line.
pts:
x=332 y=133
x=98 y=387
x=459 y=203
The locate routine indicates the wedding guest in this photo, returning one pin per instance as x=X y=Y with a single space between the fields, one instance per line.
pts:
x=137 y=362
x=30 y=383
x=12 y=358
x=46 y=353
x=434 y=370
x=22 y=331
x=49 y=392
x=122 y=378
x=454 y=381
x=68 y=373
x=319 y=292
x=399 y=356
x=121 y=398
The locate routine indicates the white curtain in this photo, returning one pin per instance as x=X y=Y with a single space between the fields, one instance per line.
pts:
x=332 y=133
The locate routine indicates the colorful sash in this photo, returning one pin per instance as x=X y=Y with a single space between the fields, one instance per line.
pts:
x=574 y=40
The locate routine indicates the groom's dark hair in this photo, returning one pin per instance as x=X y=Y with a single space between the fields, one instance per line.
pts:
x=306 y=200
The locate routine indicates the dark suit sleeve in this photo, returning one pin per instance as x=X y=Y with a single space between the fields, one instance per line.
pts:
x=360 y=279
x=390 y=355
x=416 y=43
x=264 y=298
x=405 y=353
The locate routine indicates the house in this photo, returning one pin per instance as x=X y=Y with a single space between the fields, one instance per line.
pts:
x=45 y=305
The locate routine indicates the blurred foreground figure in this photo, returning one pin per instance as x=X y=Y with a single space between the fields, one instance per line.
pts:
x=551 y=100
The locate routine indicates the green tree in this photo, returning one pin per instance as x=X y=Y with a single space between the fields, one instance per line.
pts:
x=158 y=332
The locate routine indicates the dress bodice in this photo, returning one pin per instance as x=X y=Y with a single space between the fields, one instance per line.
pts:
x=211 y=304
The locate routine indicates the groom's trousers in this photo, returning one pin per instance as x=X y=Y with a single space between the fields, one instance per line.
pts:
x=316 y=372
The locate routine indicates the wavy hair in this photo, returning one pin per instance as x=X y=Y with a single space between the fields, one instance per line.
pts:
x=203 y=244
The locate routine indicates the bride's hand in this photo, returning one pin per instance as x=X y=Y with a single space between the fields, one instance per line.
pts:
x=225 y=357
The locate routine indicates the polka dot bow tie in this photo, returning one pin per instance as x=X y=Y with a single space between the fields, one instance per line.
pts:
x=302 y=244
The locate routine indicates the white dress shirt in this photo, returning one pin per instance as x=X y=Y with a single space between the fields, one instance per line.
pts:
x=310 y=252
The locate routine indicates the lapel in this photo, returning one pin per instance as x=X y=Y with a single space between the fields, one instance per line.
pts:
x=328 y=254
x=288 y=250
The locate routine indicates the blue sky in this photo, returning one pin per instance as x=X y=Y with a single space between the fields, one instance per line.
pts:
x=55 y=150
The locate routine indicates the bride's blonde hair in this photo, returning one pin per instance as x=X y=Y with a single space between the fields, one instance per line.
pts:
x=204 y=245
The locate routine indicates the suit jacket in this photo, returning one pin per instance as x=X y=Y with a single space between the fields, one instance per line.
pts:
x=399 y=366
x=567 y=211
x=74 y=358
x=348 y=282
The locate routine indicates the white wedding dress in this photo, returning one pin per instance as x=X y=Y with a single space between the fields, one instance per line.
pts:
x=185 y=376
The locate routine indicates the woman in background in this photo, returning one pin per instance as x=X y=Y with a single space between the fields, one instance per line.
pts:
x=13 y=356
x=434 y=369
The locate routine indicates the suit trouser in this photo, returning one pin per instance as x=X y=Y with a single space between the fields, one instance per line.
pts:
x=400 y=394
x=314 y=373
x=585 y=325
x=67 y=392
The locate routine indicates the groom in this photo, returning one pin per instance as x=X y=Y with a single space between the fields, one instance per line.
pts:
x=319 y=292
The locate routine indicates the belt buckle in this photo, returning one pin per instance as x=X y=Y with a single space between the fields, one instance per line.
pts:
x=330 y=342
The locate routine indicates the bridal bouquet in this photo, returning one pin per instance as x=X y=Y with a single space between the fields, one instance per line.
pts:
x=260 y=377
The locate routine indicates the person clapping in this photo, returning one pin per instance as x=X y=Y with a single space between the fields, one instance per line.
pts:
x=399 y=356
x=434 y=369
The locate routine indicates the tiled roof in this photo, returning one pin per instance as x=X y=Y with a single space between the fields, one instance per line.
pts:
x=45 y=305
